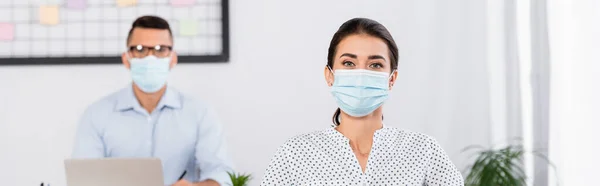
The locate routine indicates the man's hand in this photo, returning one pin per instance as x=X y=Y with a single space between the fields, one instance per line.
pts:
x=204 y=183
x=184 y=183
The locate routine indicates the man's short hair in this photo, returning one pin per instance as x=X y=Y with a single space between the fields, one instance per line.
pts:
x=154 y=22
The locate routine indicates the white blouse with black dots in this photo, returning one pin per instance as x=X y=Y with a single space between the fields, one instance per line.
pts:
x=398 y=157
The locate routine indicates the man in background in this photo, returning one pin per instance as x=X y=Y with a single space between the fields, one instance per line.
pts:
x=148 y=118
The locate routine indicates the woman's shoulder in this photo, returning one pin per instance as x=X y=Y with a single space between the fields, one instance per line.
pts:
x=314 y=138
x=401 y=136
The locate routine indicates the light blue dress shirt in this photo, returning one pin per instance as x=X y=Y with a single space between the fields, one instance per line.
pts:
x=183 y=133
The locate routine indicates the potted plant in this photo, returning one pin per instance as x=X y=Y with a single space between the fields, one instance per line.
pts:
x=239 y=179
x=498 y=167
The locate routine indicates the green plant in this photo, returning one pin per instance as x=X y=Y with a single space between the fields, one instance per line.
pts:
x=499 y=167
x=239 y=179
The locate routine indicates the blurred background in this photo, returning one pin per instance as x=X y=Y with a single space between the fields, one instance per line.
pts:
x=471 y=72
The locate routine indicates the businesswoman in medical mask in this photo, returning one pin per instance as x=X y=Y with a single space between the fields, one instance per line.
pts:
x=361 y=70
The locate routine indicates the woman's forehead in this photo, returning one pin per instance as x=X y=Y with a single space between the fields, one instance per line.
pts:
x=362 y=46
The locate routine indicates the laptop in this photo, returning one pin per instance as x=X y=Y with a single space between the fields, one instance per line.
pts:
x=114 y=172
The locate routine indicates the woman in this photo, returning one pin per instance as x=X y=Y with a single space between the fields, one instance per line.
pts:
x=361 y=69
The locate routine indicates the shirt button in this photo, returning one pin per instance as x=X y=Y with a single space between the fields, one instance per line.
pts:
x=149 y=119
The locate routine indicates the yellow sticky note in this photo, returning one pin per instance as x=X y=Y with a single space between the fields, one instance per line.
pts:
x=49 y=15
x=188 y=27
x=123 y=3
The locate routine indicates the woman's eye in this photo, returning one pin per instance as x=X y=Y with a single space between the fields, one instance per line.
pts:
x=376 y=65
x=348 y=64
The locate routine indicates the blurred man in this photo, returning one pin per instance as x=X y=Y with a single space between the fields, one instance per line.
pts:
x=151 y=119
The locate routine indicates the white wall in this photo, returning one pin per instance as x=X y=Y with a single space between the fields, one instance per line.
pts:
x=574 y=100
x=273 y=87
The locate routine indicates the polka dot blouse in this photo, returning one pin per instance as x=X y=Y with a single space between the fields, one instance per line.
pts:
x=398 y=157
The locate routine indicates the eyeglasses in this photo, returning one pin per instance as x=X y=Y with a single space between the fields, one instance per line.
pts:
x=140 y=51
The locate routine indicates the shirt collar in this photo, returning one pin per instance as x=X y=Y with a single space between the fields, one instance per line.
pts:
x=339 y=138
x=127 y=100
x=336 y=136
x=171 y=99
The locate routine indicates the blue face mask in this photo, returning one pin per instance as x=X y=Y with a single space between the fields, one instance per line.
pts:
x=150 y=73
x=359 y=92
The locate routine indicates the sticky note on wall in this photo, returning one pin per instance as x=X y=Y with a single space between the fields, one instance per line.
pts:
x=76 y=4
x=49 y=15
x=188 y=27
x=124 y=3
x=7 y=32
x=180 y=3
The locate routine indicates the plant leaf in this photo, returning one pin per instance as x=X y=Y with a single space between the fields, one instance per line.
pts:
x=239 y=179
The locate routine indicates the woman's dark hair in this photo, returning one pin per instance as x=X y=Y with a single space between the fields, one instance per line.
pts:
x=361 y=26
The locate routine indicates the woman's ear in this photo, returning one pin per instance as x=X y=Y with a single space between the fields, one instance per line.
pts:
x=328 y=76
x=393 y=78
x=125 y=60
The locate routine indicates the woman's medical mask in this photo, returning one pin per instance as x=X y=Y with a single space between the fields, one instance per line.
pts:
x=359 y=92
x=150 y=73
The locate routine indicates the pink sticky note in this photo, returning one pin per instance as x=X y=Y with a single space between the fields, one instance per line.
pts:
x=76 y=4
x=7 y=32
x=182 y=2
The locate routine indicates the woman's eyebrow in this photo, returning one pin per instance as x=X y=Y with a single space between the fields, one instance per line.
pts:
x=349 y=55
x=376 y=57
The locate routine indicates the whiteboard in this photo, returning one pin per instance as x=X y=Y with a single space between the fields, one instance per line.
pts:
x=95 y=31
